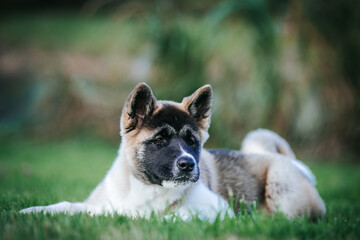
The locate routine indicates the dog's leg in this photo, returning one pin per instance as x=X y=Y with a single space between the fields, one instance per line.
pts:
x=264 y=141
x=285 y=188
x=64 y=207
x=94 y=205
x=201 y=202
x=287 y=191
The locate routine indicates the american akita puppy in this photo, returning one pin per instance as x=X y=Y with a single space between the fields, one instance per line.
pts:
x=162 y=165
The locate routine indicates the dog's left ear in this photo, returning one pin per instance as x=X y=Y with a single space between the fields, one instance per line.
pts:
x=139 y=105
x=199 y=106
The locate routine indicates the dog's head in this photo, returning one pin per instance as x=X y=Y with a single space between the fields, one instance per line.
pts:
x=163 y=139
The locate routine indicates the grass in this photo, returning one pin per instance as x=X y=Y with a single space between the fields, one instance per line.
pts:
x=39 y=173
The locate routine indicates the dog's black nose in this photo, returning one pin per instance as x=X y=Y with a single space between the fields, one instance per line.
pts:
x=186 y=164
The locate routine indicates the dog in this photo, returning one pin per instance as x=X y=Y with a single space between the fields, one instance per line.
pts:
x=162 y=167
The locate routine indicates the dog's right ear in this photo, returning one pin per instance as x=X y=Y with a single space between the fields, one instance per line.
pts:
x=139 y=105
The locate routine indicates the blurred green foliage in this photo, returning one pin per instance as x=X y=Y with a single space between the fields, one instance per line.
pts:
x=290 y=66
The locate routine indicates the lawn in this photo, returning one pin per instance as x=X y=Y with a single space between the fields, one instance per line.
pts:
x=45 y=172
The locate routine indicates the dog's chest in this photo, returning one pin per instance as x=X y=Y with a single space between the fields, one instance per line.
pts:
x=143 y=199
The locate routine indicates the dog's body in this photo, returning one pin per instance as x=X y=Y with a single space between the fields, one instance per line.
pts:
x=162 y=166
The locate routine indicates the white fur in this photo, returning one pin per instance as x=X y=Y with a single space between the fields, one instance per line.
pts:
x=176 y=185
x=305 y=170
x=186 y=154
x=203 y=203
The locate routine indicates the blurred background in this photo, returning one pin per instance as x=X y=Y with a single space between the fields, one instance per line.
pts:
x=66 y=67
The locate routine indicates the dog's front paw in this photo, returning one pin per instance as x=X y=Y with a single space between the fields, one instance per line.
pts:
x=34 y=210
x=55 y=208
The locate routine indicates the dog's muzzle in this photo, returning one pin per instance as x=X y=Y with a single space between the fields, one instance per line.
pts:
x=186 y=169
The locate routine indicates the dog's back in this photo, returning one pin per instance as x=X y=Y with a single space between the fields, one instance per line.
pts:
x=230 y=178
x=266 y=171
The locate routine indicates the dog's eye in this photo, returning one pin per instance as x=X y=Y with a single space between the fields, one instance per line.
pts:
x=159 y=140
x=190 y=139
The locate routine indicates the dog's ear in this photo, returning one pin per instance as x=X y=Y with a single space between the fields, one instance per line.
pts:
x=199 y=106
x=139 y=105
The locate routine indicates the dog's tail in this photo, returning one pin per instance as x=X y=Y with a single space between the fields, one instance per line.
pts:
x=267 y=142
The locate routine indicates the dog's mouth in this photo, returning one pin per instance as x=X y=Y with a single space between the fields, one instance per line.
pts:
x=186 y=178
x=178 y=178
x=180 y=182
x=183 y=179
